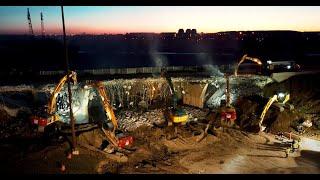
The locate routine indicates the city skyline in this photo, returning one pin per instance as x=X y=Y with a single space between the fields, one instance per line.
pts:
x=121 y=20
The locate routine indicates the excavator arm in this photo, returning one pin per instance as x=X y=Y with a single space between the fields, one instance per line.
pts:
x=265 y=109
x=172 y=91
x=286 y=99
x=109 y=112
x=246 y=57
x=52 y=104
x=106 y=105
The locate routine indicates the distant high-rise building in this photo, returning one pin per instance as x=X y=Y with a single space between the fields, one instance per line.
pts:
x=194 y=34
x=181 y=31
x=188 y=33
x=180 y=34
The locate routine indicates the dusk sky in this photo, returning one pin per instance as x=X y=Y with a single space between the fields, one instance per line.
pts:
x=123 y=19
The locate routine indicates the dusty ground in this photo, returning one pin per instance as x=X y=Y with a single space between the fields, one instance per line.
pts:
x=231 y=151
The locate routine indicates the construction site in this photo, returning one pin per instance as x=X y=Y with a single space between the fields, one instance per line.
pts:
x=204 y=119
x=224 y=123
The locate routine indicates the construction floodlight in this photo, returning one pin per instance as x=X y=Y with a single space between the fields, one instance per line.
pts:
x=281 y=95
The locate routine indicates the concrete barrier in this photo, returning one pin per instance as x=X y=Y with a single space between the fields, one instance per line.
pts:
x=282 y=76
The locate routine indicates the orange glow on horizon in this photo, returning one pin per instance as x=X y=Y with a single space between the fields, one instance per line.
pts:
x=123 y=19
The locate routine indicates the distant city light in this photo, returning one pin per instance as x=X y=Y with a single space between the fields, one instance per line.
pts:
x=269 y=62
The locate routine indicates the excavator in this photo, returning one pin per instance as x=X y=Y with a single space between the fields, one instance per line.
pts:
x=246 y=57
x=52 y=104
x=55 y=118
x=227 y=111
x=111 y=135
x=52 y=117
x=174 y=114
x=278 y=100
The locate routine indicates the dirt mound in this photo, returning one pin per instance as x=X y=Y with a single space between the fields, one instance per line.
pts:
x=4 y=116
x=248 y=112
x=17 y=125
x=149 y=148
x=304 y=95
x=283 y=122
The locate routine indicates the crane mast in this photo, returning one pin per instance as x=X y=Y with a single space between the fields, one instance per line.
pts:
x=42 y=25
x=29 y=23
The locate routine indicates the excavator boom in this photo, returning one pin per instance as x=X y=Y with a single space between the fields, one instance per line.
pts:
x=52 y=104
x=265 y=109
x=176 y=115
x=172 y=91
x=106 y=105
x=246 y=57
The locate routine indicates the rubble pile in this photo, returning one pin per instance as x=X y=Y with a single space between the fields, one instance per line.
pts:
x=248 y=110
x=240 y=86
x=131 y=120
x=129 y=93
x=16 y=88
x=283 y=122
x=4 y=116
x=15 y=108
x=13 y=122
x=196 y=114
x=248 y=86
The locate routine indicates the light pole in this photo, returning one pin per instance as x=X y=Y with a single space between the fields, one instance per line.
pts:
x=68 y=82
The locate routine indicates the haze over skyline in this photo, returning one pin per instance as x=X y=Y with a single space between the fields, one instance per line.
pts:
x=125 y=19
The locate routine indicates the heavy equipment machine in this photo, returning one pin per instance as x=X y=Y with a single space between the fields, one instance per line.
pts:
x=227 y=112
x=58 y=118
x=174 y=114
x=279 y=100
x=52 y=104
x=50 y=116
x=246 y=57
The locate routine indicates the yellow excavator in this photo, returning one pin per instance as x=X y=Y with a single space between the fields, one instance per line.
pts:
x=174 y=114
x=246 y=57
x=281 y=98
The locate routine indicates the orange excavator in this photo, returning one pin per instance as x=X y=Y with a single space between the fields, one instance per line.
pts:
x=55 y=118
x=111 y=135
x=246 y=57
x=52 y=117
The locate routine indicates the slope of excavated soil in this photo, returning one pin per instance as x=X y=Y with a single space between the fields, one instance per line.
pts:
x=228 y=151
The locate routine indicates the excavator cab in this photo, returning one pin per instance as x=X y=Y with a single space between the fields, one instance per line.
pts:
x=228 y=115
x=176 y=116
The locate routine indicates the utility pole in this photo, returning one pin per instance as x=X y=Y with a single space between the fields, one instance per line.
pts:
x=69 y=86
x=29 y=23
